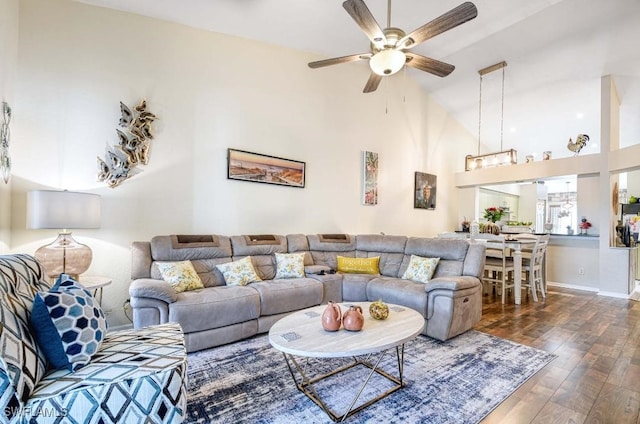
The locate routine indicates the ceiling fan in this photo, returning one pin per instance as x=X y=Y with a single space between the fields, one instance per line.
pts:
x=390 y=46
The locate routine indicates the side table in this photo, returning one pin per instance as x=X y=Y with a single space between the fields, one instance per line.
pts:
x=96 y=284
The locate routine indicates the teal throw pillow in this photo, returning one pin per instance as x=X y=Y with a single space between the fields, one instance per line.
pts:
x=68 y=324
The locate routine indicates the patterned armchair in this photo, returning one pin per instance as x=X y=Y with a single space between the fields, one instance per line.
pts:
x=136 y=375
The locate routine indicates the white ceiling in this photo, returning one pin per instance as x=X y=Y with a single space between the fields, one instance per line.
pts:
x=556 y=51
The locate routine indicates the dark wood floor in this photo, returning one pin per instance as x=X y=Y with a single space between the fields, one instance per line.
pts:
x=596 y=376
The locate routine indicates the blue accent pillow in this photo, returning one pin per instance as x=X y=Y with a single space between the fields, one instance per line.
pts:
x=68 y=324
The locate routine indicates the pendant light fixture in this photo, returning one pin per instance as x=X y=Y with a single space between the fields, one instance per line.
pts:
x=567 y=205
x=503 y=157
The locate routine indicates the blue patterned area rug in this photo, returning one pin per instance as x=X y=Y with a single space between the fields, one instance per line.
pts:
x=458 y=381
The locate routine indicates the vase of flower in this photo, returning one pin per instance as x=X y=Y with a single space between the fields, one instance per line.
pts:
x=493 y=214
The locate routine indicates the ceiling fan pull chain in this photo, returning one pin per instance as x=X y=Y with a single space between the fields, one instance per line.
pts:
x=404 y=85
x=386 y=99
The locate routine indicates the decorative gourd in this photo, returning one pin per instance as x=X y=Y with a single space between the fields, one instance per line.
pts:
x=379 y=310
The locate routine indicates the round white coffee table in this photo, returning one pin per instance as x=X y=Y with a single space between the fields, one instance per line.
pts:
x=300 y=334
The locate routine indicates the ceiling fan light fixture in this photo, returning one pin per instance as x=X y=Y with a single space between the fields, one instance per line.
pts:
x=387 y=62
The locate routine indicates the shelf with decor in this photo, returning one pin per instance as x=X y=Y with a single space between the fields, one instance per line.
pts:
x=630 y=208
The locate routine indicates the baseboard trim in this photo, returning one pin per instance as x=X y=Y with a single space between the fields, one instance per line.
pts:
x=590 y=289
x=573 y=286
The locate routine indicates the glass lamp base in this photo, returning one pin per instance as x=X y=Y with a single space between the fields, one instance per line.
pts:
x=64 y=256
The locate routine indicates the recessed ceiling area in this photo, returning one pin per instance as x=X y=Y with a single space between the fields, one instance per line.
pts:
x=556 y=53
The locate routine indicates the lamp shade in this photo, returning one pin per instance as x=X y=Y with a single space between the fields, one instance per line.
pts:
x=387 y=62
x=62 y=210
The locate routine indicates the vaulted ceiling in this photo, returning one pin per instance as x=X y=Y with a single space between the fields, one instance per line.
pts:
x=556 y=51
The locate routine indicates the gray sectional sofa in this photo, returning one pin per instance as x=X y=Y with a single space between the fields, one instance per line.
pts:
x=451 y=303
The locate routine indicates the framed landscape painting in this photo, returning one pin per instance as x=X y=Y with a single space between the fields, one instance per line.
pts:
x=259 y=168
x=370 y=178
x=425 y=191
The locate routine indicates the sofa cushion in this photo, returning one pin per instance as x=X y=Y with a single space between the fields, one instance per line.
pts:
x=204 y=252
x=187 y=248
x=389 y=248
x=358 y=265
x=68 y=323
x=261 y=248
x=137 y=376
x=420 y=269
x=239 y=273
x=400 y=292
x=289 y=265
x=182 y=276
x=279 y=296
x=452 y=254
x=354 y=286
x=324 y=250
x=299 y=243
x=215 y=307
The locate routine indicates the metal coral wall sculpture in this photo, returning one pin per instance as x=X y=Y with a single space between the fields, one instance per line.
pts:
x=133 y=148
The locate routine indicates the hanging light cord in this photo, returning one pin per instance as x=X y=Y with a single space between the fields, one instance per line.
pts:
x=480 y=115
x=502 y=112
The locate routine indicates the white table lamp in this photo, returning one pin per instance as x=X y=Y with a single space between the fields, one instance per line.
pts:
x=63 y=210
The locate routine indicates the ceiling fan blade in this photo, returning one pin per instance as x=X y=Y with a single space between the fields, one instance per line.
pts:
x=338 y=60
x=365 y=20
x=456 y=16
x=372 y=83
x=427 y=64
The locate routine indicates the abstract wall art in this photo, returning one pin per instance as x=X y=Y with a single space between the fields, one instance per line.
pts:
x=370 y=178
x=259 y=168
x=5 y=135
x=425 y=191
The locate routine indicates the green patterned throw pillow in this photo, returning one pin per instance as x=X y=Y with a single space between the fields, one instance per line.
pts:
x=239 y=273
x=182 y=276
x=420 y=269
x=289 y=265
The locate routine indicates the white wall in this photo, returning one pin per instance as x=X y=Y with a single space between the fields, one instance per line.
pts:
x=8 y=61
x=212 y=92
x=589 y=201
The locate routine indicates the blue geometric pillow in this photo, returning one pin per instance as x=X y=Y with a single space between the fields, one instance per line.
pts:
x=68 y=323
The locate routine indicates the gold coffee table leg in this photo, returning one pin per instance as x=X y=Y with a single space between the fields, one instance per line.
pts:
x=305 y=383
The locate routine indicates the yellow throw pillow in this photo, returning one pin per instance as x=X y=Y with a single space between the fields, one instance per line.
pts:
x=182 y=276
x=420 y=269
x=358 y=265
x=239 y=273
x=289 y=265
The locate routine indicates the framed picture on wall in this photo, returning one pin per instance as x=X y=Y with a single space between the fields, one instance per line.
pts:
x=259 y=168
x=369 y=178
x=424 y=196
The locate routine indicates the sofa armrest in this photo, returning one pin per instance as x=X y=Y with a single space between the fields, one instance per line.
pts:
x=155 y=289
x=452 y=283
